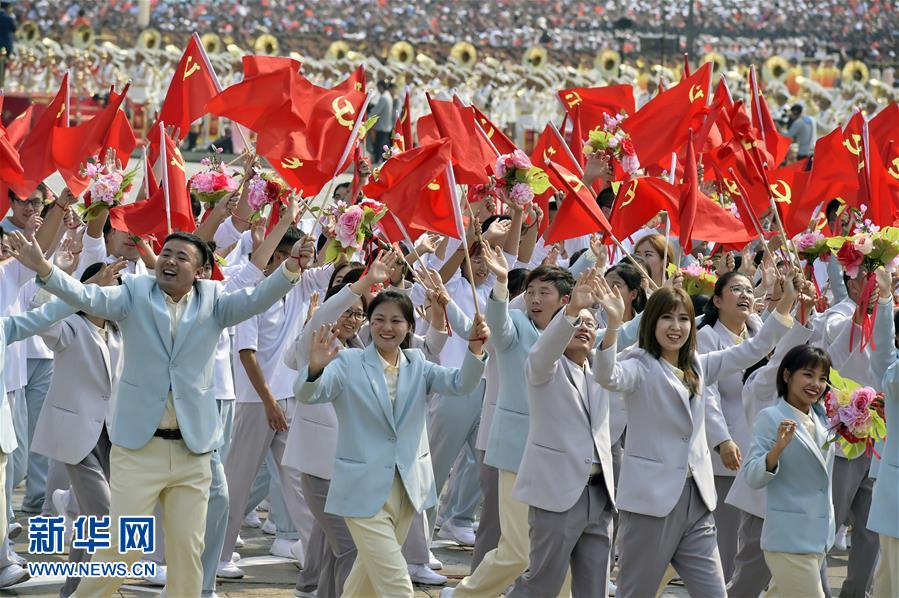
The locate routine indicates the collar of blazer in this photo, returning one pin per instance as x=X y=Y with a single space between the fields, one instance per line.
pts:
x=811 y=444
x=112 y=333
x=654 y=366
x=375 y=374
x=163 y=319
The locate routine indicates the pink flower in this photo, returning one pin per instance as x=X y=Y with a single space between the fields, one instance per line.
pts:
x=865 y=245
x=863 y=397
x=521 y=194
x=256 y=196
x=850 y=258
x=520 y=160
x=500 y=168
x=808 y=240
x=348 y=226
x=93 y=169
x=374 y=206
x=630 y=164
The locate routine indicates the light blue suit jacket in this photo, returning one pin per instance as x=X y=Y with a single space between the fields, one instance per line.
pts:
x=13 y=329
x=375 y=438
x=799 y=512
x=884 y=515
x=153 y=365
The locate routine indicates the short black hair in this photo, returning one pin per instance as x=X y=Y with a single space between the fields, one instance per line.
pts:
x=803 y=356
x=796 y=109
x=291 y=236
x=517 y=276
x=496 y=217
x=91 y=270
x=406 y=308
x=558 y=277
x=606 y=198
x=200 y=244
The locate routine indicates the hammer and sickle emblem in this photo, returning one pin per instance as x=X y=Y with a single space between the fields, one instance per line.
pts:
x=62 y=108
x=894 y=169
x=731 y=187
x=177 y=160
x=696 y=93
x=749 y=144
x=854 y=146
x=487 y=124
x=434 y=185
x=781 y=197
x=575 y=182
x=548 y=153
x=630 y=194
x=573 y=98
x=404 y=116
x=190 y=69
x=291 y=163
x=358 y=86
x=341 y=109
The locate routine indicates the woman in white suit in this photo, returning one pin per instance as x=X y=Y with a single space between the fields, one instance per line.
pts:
x=787 y=459
x=382 y=474
x=666 y=493
x=72 y=426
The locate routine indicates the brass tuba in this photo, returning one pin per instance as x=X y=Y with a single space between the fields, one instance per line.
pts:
x=212 y=43
x=149 y=40
x=776 y=68
x=464 y=54
x=719 y=63
x=607 y=63
x=535 y=57
x=855 y=70
x=28 y=32
x=83 y=37
x=337 y=51
x=401 y=53
x=266 y=45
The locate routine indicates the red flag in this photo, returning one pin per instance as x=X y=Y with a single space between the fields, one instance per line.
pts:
x=192 y=86
x=586 y=105
x=638 y=201
x=497 y=137
x=426 y=127
x=788 y=189
x=688 y=198
x=260 y=65
x=244 y=104
x=837 y=163
x=73 y=146
x=577 y=139
x=686 y=65
x=120 y=138
x=550 y=147
x=355 y=82
x=776 y=144
x=579 y=213
x=147 y=217
x=879 y=185
x=20 y=126
x=402 y=129
x=672 y=111
x=473 y=158
x=715 y=224
x=36 y=151
x=414 y=186
x=884 y=129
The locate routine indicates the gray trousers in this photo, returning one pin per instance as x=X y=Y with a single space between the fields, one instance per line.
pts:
x=57 y=479
x=852 y=490
x=268 y=484
x=17 y=461
x=487 y=537
x=452 y=423
x=40 y=373
x=727 y=524
x=307 y=580
x=463 y=492
x=579 y=538
x=685 y=538
x=337 y=561
x=90 y=485
x=217 y=506
x=252 y=437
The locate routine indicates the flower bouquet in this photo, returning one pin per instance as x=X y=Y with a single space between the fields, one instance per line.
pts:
x=856 y=416
x=517 y=179
x=697 y=280
x=610 y=139
x=349 y=226
x=864 y=253
x=265 y=188
x=212 y=184
x=810 y=247
x=108 y=186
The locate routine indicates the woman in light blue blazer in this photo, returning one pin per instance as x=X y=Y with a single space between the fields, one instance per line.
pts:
x=788 y=459
x=884 y=515
x=382 y=473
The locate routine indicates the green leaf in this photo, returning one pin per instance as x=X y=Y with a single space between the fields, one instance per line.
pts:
x=333 y=253
x=367 y=125
x=852 y=450
x=840 y=383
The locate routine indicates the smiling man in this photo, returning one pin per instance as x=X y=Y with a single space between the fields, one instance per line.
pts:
x=166 y=421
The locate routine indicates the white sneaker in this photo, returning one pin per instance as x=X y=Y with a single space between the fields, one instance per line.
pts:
x=424 y=575
x=301 y=594
x=841 y=542
x=13 y=574
x=13 y=531
x=297 y=552
x=265 y=505
x=15 y=557
x=447 y=592
x=235 y=557
x=463 y=536
x=612 y=589
x=252 y=520
x=282 y=547
x=269 y=528
x=475 y=525
x=60 y=499
x=433 y=562
x=238 y=542
x=228 y=570
x=156 y=580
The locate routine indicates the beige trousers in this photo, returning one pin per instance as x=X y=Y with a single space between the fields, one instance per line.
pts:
x=164 y=471
x=886 y=578
x=794 y=574
x=380 y=569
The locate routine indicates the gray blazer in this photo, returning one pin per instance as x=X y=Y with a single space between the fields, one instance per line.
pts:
x=153 y=364
x=666 y=437
x=376 y=438
x=78 y=404
x=569 y=420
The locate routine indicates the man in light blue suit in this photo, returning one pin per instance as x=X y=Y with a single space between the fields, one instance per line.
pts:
x=166 y=421
x=883 y=517
x=13 y=329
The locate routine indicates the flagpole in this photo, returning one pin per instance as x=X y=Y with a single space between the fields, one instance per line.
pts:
x=143 y=154
x=756 y=104
x=217 y=83
x=567 y=149
x=457 y=213
x=671 y=176
x=165 y=178
x=780 y=225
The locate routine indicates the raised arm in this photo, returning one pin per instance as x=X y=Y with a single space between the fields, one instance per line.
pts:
x=21 y=326
x=461 y=381
x=322 y=379
x=622 y=377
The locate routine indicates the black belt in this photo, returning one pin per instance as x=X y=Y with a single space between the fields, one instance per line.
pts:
x=168 y=434
x=594 y=479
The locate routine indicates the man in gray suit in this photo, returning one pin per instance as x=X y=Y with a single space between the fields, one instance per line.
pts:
x=566 y=471
x=166 y=422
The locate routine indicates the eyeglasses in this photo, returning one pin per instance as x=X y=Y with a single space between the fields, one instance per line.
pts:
x=353 y=315
x=741 y=290
x=34 y=203
x=588 y=325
